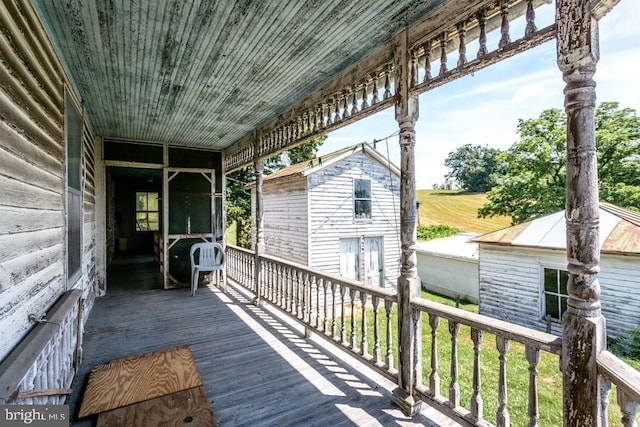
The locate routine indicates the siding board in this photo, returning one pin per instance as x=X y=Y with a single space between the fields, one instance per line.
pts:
x=510 y=287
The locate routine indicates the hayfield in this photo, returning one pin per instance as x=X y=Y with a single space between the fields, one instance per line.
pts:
x=457 y=209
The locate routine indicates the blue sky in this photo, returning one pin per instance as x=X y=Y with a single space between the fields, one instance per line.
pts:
x=484 y=108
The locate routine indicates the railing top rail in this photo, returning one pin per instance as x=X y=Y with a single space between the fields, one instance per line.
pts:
x=546 y=342
x=239 y=249
x=618 y=372
x=17 y=364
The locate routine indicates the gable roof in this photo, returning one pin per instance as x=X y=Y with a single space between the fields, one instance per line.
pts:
x=619 y=232
x=312 y=166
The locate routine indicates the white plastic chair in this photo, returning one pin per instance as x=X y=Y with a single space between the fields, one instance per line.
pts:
x=210 y=257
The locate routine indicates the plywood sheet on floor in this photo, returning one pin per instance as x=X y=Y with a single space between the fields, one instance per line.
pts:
x=135 y=379
x=189 y=407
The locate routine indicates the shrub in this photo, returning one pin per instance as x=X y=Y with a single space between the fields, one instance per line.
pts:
x=436 y=231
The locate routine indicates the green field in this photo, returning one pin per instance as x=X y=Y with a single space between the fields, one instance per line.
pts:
x=457 y=209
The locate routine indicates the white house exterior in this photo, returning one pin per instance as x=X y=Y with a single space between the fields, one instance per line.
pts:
x=522 y=271
x=449 y=266
x=338 y=213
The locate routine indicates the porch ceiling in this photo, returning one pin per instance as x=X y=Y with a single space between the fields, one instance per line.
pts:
x=207 y=73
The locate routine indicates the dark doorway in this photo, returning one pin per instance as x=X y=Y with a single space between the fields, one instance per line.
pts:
x=134 y=227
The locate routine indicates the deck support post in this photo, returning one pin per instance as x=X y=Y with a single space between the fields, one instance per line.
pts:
x=258 y=167
x=410 y=332
x=583 y=326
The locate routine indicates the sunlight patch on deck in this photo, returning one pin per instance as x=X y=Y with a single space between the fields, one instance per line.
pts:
x=313 y=376
x=358 y=416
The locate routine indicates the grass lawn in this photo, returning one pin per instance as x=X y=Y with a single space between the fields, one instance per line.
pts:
x=549 y=379
x=457 y=209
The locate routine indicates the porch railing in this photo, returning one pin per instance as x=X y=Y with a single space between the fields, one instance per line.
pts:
x=627 y=381
x=350 y=314
x=359 y=319
x=40 y=369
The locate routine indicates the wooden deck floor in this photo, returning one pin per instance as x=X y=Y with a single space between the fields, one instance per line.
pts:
x=257 y=369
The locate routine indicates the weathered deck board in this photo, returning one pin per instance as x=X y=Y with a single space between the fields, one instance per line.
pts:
x=256 y=368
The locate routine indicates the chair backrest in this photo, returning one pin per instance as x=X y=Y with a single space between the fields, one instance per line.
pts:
x=210 y=254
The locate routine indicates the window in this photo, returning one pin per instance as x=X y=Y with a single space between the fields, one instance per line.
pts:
x=555 y=292
x=362 y=198
x=147 y=214
x=73 y=142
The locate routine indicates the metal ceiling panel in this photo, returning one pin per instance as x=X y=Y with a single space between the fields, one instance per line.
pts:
x=206 y=73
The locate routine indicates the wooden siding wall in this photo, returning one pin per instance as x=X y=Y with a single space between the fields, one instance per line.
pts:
x=285 y=219
x=331 y=214
x=32 y=177
x=510 y=287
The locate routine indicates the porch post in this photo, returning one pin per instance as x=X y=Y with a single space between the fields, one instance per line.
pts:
x=410 y=332
x=583 y=326
x=258 y=167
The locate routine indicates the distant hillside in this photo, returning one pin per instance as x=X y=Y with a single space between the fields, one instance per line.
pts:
x=457 y=209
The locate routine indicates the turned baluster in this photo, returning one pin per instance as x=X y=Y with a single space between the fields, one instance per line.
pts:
x=629 y=408
x=414 y=68
x=364 y=350
x=364 y=103
x=325 y=319
x=319 y=287
x=427 y=62
x=533 y=357
x=345 y=105
x=482 y=39
x=354 y=344
x=354 y=100
x=337 y=118
x=320 y=116
x=334 y=324
x=387 y=82
x=476 y=398
x=388 y=359
x=375 y=301
x=374 y=99
x=531 y=19
x=502 y=418
x=462 y=48
x=454 y=386
x=504 y=26
x=443 y=53
x=434 y=378
x=343 y=322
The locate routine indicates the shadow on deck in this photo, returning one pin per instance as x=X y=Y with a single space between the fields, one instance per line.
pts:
x=257 y=368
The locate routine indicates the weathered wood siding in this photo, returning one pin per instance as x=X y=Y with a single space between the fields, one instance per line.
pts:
x=331 y=215
x=32 y=176
x=285 y=219
x=510 y=287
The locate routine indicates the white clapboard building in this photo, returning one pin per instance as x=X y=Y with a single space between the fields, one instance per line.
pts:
x=338 y=213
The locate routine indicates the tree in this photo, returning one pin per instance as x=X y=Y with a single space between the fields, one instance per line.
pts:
x=534 y=182
x=239 y=199
x=473 y=167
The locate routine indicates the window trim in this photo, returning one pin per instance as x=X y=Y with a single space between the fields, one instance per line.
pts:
x=70 y=107
x=147 y=192
x=357 y=199
x=543 y=292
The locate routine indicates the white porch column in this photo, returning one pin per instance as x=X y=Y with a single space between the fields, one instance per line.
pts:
x=583 y=326
x=258 y=167
x=410 y=331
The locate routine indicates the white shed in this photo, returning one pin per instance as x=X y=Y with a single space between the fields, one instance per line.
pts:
x=523 y=271
x=449 y=266
x=338 y=213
